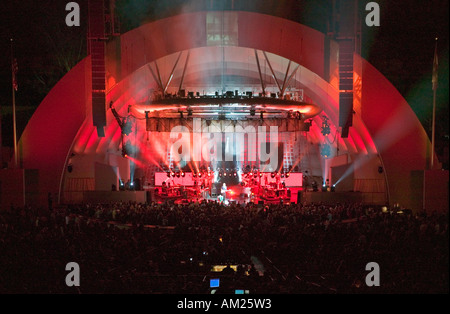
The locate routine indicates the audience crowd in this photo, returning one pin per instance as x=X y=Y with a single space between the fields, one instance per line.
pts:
x=172 y=248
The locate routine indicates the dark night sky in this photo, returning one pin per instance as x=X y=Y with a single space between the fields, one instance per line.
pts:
x=401 y=48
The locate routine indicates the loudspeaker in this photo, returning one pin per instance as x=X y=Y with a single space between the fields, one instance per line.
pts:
x=345 y=109
x=99 y=112
x=344 y=133
x=100 y=131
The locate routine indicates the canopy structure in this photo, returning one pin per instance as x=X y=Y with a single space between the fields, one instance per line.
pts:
x=227 y=69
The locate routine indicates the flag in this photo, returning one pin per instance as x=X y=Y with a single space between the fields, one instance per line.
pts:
x=14 y=74
x=434 y=79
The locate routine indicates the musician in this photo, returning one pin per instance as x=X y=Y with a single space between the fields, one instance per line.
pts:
x=224 y=191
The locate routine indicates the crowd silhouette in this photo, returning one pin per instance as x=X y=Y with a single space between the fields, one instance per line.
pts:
x=172 y=248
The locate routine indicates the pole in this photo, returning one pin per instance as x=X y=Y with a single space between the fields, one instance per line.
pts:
x=433 y=129
x=14 y=105
x=1 y=142
x=434 y=83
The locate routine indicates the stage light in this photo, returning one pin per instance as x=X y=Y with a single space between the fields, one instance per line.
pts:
x=333 y=188
x=220 y=174
x=260 y=174
x=282 y=175
x=178 y=174
x=183 y=174
x=272 y=175
x=194 y=175
x=224 y=174
x=199 y=174
x=173 y=174
x=287 y=175
x=168 y=174
x=234 y=174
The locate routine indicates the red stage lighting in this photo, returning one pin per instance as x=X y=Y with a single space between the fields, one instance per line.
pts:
x=183 y=174
x=287 y=175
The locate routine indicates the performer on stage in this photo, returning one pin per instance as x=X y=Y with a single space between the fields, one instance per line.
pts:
x=224 y=191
